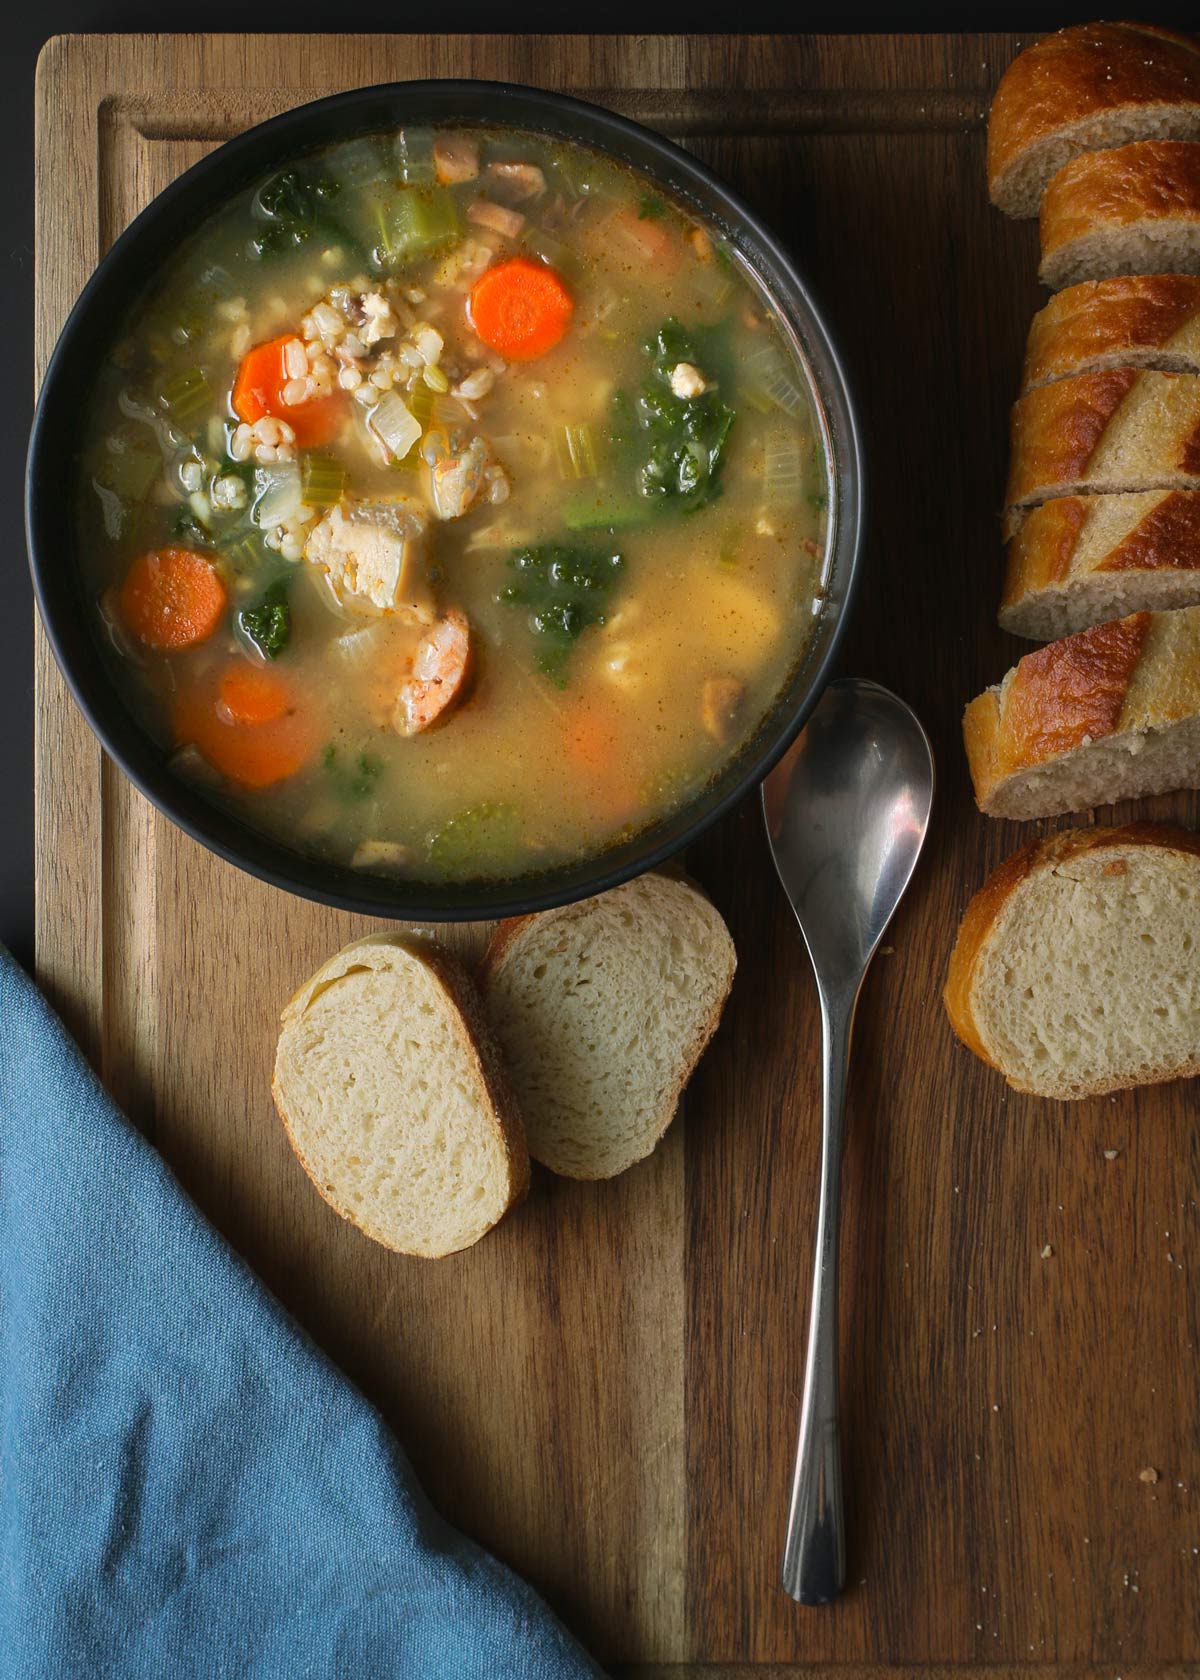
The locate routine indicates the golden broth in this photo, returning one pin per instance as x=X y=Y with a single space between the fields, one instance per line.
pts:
x=558 y=745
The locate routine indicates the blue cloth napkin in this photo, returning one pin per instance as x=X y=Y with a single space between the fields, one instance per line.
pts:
x=188 y=1487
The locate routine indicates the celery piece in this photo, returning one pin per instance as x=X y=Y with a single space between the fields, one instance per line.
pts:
x=608 y=511
x=575 y=453
x=421 y=402
x=357 y=163
x=322 y=479
x=416 y=221
x=414 y=155
x=129 y=468
x=549 y=249
x=186 y=393
x=246 y=553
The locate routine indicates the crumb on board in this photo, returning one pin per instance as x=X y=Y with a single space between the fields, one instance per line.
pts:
x=1149 y=1475
x=1111 y=1154
x=1047 y=1252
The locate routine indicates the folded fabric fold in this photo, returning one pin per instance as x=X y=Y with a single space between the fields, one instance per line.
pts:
x=187 y=1486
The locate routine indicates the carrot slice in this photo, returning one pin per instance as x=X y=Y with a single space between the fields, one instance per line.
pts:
x=172 y=598
x=255 y=755
x=520 y=309
x=645 y=242
x=258 y=391
x=252 y=694
x=595 y=749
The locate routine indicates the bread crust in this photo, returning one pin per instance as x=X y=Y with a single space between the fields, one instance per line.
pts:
x=983 y=914
x=477 y=1041
x=1054 y=700
x=1130 y=320
x=505 y=940
x=1059 y=429
x=1045 y=553
x=1090 y=71
x=1148 y=181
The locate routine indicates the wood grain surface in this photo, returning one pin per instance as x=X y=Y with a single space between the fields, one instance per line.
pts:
x=605 y=1390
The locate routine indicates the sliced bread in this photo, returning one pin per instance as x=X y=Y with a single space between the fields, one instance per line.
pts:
x=1133 y=320
x=1111 y=713
x=602 y=1010
x=1091 y=86
x=1132 y=211
x=1075 y=972
x=389 y=1085
x=1097 y=433
x=1079 y=560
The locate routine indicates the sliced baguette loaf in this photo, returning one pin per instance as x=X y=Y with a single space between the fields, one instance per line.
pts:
x=1111 y=713
x=602 y=1010
x=389 y=1085
x=1091 y=86
x=1075 y=972
x=1133 y=320
x=1099 y=433
x=1079 y=560
x=1132 y=211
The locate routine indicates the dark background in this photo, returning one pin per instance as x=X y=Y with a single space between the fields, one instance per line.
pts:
x=26 y=28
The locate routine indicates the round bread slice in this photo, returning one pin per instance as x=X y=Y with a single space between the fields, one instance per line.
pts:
x=389 y=1085
x=1090 y=87
x=1131 y=320
x=602 y=1010
x=1082 y=560
x=1135 y=210
x=1110 y=713
x=1075 y=972
x=1120 y=430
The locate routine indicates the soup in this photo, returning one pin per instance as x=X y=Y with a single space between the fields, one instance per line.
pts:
x=453 y=506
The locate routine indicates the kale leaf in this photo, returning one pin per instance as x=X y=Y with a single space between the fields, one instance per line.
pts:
x=268 y=624
x=682 y=439
x=294 y=209
x=480 y=841
x=566 y=588
x=356 y=779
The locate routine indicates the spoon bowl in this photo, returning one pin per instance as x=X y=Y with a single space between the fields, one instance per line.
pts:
x=847 y=810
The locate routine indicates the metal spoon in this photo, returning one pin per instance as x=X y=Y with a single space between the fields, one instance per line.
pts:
x=846 y=811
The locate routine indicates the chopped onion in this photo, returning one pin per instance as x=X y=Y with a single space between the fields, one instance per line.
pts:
x=767 y=370
x=277 y=489
x=783 y=464
x=357 y=645
x=393 y=425
x=414 y=154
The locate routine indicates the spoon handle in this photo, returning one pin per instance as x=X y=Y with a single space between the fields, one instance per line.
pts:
x=814 y=1559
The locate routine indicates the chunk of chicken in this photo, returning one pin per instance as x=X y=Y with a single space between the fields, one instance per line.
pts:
x=370 y=553
x=440 y=668
x=455 y=158
x=721 y=702
x=515 y=182
x=687 y=381
x=458 y=471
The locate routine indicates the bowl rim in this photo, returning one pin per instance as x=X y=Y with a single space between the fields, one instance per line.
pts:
x=254 y=151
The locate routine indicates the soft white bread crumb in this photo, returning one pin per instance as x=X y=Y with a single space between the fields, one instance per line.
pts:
x=1075 y=971
x=390 y=1088
x=602 y=1010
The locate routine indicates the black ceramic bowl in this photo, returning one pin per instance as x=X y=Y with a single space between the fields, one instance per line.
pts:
x=155 y=236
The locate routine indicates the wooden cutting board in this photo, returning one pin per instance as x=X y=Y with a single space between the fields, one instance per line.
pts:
x=605 y=1390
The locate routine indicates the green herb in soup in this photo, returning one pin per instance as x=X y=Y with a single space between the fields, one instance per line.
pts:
x=453 y=505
